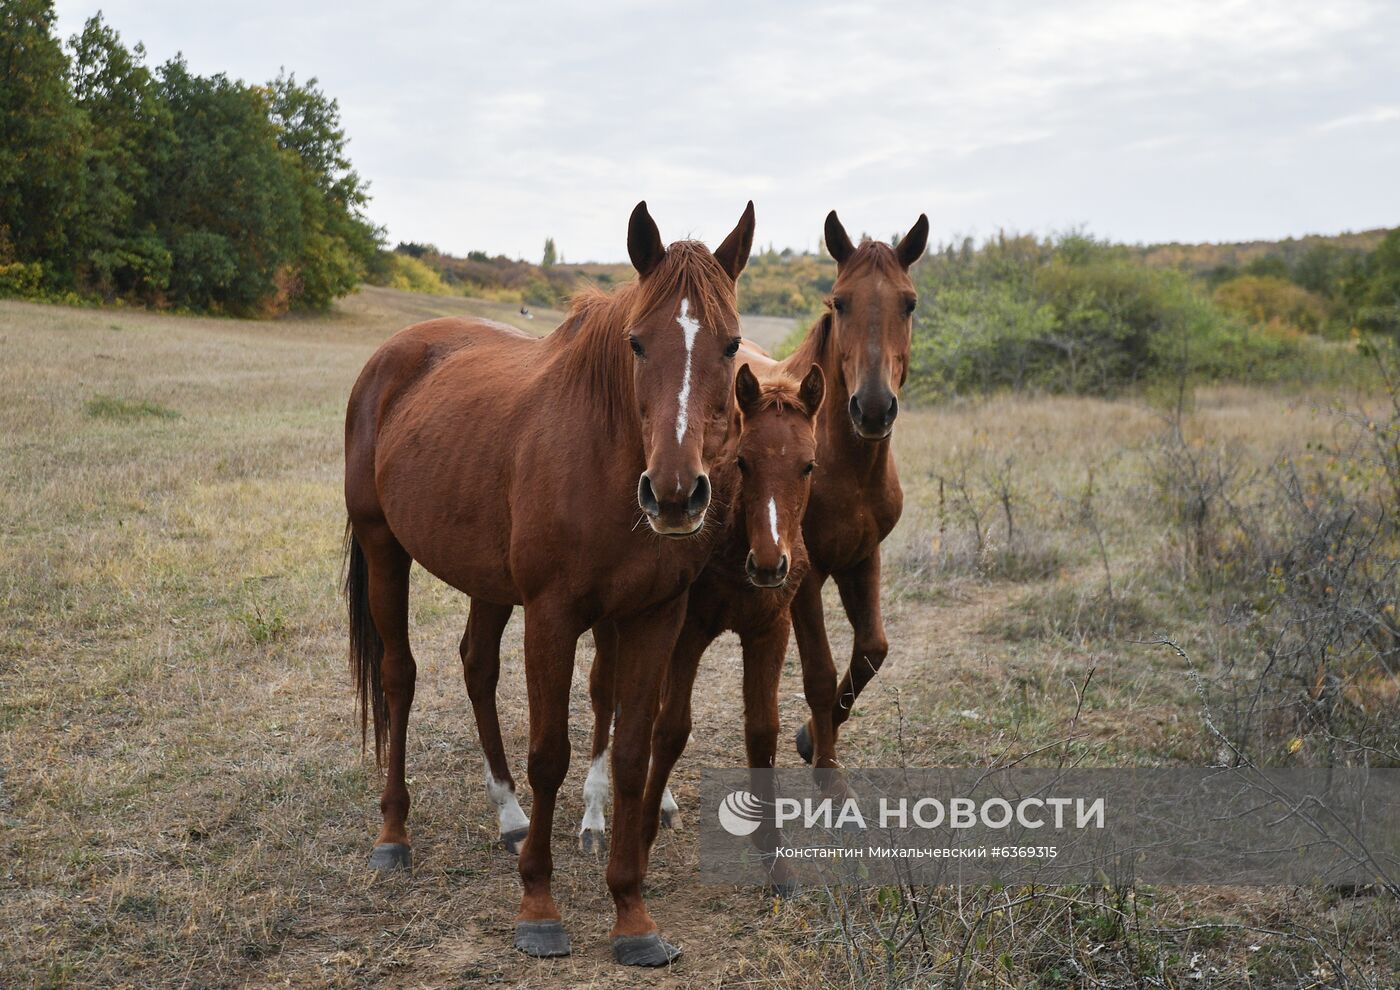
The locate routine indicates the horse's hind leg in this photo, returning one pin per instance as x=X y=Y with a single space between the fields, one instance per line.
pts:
x=592 y=833
x=481 y=667
x=388 y=566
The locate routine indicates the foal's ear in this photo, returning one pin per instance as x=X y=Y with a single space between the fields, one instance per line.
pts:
x=644 y=245
x=911 y=248
x=813 y=390
x=746 y=391
x=733 y=254
x=838 y=242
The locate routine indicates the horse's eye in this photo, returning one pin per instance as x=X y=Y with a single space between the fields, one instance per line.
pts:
x=839 y=305
x=910 y=305
x=637 y=347
x=733 y=347
x=808 y=468
x=743 y=465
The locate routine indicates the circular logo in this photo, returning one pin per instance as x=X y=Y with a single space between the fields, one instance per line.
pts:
x=740 y=813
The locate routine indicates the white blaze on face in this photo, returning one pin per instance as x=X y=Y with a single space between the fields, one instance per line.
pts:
x=690 y=328
x=773 y=521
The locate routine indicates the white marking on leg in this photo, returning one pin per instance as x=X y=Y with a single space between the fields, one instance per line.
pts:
x=773 y=521
x=668 y=802
x=595 y=795
x=690 y=328
x=508 y=810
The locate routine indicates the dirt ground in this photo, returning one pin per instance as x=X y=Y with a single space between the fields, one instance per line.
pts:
x=183 y=798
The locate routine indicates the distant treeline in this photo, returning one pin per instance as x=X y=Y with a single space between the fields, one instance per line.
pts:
x=167 y=188
x=1074 y=314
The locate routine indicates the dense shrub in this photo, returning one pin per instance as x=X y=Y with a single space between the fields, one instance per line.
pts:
x=1273 y=304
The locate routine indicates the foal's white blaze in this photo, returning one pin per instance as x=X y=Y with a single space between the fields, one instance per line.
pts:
x=595 y=795
x=508 y=811
x=773 y=521
x=690 y=328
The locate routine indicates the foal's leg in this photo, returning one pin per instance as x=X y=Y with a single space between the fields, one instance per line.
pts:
x=672 y=729
x=388 y=566
x=550 y=637
x=644 y=644
x=860 y=595
x=481 y=667
x=764 y=648
x=816 y=741
x=592 y=833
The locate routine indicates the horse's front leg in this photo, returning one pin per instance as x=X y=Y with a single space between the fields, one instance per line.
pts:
x=481 y=667
x=645 y=645
x=764 y=647
x=860 y=596
x=550 y=637
x=816 y=741
x=671 y=731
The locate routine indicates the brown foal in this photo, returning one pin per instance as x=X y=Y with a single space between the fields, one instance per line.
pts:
x=513 y=468
x=862 y=343
x=747 y=587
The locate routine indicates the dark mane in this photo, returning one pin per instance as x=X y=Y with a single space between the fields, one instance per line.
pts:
x=593 y=337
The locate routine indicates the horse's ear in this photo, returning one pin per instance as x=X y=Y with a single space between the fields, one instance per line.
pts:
x=644 y=245
x=746 y=390
x=812 y=390
x=838 y=242
x=733 y=254
x=911 y=248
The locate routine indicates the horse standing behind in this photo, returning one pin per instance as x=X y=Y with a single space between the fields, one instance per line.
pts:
x=511 y=468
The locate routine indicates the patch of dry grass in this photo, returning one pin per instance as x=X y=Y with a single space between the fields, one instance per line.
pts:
x=182 y=797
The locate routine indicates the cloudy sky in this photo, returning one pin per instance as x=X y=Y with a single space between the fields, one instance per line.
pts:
x=492 y=125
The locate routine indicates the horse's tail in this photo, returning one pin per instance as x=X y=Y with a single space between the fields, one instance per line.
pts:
x=366 y=648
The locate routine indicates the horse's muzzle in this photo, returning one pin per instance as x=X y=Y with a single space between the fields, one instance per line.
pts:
x=675 y=516
x=766 y=577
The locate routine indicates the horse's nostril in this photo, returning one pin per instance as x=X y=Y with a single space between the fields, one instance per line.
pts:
x=893 y=410
x=699 y=499
x=646 y=498
x=749 y=566
x=782 y=567
x=855 y=409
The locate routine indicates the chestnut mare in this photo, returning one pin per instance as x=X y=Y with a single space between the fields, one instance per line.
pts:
x=747 y=587
x=511 y=468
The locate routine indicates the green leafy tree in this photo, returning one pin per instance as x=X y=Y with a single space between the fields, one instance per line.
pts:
x=118 y=251
x=42 y=135
x=550 y=257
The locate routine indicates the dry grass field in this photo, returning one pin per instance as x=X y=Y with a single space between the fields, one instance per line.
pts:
x=183 y=800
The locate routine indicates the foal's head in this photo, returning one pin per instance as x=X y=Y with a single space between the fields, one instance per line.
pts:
x=776 y=456
x=872 y=318
x=683 y=329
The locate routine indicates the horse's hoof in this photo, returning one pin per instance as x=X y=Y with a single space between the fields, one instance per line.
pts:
x=670 y=819
x=644 y=950
x=804 y=743
x=388 y=857
x=593 y=841
x=514 y=839
x=542 y=939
